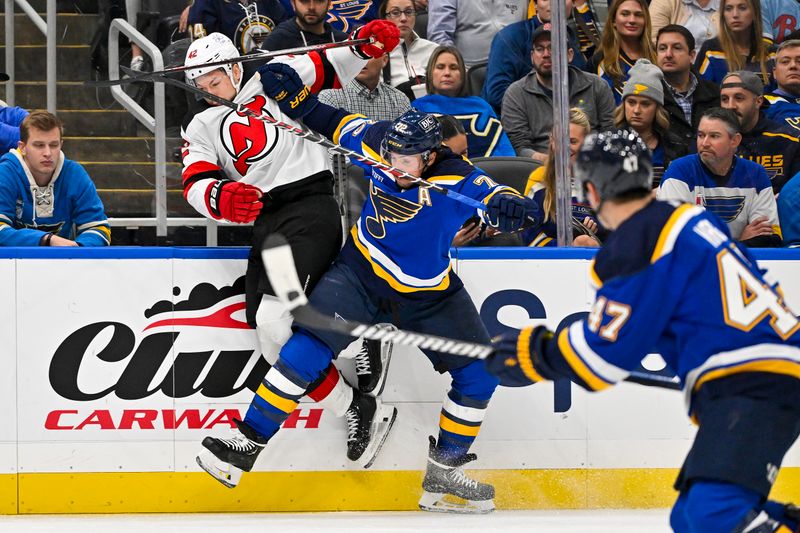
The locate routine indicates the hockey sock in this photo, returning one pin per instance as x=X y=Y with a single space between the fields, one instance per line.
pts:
x=274 y=401
x=332 y=393
x=777 y=511
x=459 y=423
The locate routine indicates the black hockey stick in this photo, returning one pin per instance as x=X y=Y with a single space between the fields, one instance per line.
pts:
x=316 y=138
x=135 y=76
x=279 y=264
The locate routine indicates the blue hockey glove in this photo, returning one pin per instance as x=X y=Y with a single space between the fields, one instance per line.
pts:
x=508 y=212
x=282 y=83
x=514 y=358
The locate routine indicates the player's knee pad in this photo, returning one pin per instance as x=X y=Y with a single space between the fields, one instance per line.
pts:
x=474 y=381
x=305 y=356
x=273 y=326
x=717 y=506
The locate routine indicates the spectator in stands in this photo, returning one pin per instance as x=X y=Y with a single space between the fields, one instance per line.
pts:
x=789 y=212
x=784 y=102
x=307 y=27
x=346 y=15
x=685 y=95
x=699 y=17
x=739 y=44
x=470 y=26
x=407 y=62
x=768 y=143
x=626 y=38
x=367 y=95
x=642 y=110
x=447 y=95
x=736 y=190
x=509 y=56
x=247 y=24
x=779 y=18
x=454 y=136
x=10 y=119
x=528 y=104
x=45 y=198
x=542 y=188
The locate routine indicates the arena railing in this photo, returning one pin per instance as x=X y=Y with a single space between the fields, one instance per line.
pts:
x=48 y=28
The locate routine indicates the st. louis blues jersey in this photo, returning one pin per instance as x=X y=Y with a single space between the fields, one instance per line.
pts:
x=244 y=23
x=485 y=135
x=740 y=198
x=222 y=143
x=783 y=108
x=670 y=280
x=347 y=15
x=403 y=236
x=68 y=206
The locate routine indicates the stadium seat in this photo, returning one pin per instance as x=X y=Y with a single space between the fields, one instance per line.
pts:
x=421 y=24
x=511 y=171
x=476 y=76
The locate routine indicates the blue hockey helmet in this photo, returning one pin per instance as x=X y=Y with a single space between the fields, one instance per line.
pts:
x=414 y=132
x=615 y=162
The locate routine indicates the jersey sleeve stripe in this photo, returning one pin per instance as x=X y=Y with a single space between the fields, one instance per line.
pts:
x=593 y=277
x=199 y=167
x=673 y=228
x=784 y=135
x=345 y=122
x=580 y=368
x=606 y=371
x=524 y=355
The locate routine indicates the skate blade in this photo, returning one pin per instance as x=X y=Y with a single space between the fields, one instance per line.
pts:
x=439 y=502
x=223 y=472
x=386 y=357
x=382 y=423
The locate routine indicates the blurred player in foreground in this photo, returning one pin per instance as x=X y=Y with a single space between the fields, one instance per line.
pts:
x=670 y=279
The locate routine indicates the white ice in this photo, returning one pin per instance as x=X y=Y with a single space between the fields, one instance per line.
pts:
x=501 y=521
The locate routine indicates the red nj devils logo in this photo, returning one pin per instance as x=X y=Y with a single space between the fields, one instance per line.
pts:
x=247 y=139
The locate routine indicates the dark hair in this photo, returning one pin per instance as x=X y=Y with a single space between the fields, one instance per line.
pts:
x=725 y=115
x=451 y=126
x=382 y=8
x=462 y=68
x=677 y=28
x=42 y=121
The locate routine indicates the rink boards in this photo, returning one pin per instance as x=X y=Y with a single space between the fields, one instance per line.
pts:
x=117 y=362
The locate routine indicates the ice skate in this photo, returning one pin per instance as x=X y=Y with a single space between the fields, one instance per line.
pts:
x=368 y=425
x=226 y=459
x=372 y=364
x=449 y=490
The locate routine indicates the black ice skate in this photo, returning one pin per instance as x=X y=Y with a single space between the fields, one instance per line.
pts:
x=372 y=364
x=449 y=490
x=226 y=459
x=368 y=425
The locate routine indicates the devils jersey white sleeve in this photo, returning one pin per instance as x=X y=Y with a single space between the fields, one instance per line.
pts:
x=220 y=143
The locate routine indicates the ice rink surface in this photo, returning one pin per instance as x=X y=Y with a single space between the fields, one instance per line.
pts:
x=501 y=521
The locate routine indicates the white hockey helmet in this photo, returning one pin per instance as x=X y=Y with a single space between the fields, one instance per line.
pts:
x=208 y=49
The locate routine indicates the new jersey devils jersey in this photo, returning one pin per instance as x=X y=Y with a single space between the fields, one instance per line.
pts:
x=222 y=143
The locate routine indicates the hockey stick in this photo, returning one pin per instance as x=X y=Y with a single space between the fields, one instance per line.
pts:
x=279 y=264
x=318 y=139
x=148 y=76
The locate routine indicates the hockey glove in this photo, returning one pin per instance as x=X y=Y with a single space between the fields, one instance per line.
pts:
x=385 y=34
x=282 y=83
x=234 y=201
x=515 y=359
x=508 y=212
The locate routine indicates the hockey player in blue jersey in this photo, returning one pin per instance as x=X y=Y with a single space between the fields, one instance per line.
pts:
x=671 y=280
x=395 y=267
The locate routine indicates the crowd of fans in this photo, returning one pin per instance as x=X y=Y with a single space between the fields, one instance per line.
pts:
x=696 y=79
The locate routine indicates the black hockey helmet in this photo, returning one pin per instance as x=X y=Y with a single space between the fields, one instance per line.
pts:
x=615 y=162
x=414 y=132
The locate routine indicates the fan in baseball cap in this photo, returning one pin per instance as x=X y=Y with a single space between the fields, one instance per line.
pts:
x=4 y=77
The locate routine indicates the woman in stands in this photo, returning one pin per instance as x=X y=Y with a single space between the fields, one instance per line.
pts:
x=626 y=38
x=642 y=110
x=542 y=188
x=447 y=95
x=739 y=44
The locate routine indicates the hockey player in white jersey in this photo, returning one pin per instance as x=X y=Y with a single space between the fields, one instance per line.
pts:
x=240 y=169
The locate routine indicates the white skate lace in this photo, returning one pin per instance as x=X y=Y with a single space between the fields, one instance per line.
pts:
x=362 y=360
x=239 y=442
x=460 y=478
x=352 y=424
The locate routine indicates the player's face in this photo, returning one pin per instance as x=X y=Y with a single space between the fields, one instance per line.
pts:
x=403 y=14
x=787 y=69
x=410 y=164
x=715 y=144
x=41 y=151
x=217 y=83
x=446 y=76
x=640 y=112
x=457 y=144
x=742 y=102
x=311 y=12
x=629 y=20
x=542 y=56
x=673 y=54
x=738 y=15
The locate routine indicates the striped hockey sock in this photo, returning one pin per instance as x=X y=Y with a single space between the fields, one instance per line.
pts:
x=459 y=423
x=274 y=401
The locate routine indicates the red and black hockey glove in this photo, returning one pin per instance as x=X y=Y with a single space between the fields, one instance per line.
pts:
x=386 y=38
x=282 y=83
x=234 y=201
